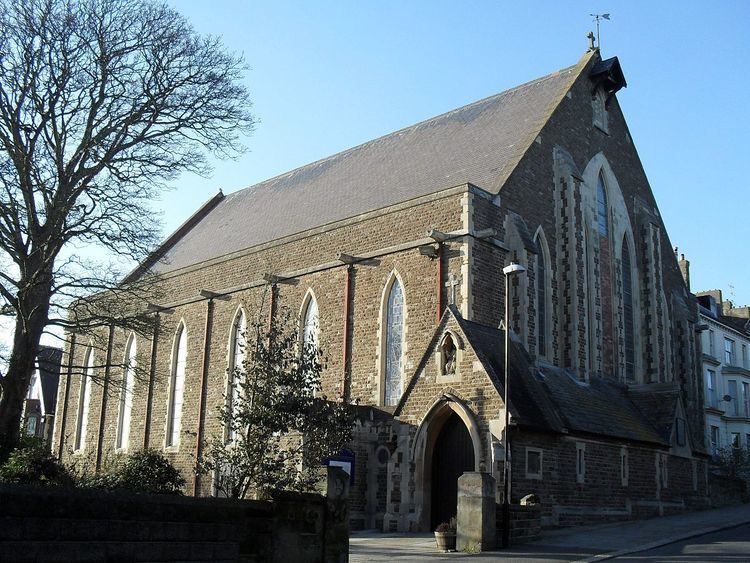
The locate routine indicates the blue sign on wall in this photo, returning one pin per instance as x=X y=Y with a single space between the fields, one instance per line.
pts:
x=345 y=460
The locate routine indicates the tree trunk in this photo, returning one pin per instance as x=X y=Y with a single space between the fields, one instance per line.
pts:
x=32 y=316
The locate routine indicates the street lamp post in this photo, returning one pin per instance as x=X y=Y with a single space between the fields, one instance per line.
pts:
x=510 y=270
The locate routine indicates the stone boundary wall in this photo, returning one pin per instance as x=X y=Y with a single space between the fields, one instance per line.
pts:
x=49 y=524
x=525 y=523
x=726 y=491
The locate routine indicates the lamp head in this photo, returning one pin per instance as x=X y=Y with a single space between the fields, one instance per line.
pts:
x=513 y=268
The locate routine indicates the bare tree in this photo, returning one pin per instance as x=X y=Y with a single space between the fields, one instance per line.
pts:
x=102 y=104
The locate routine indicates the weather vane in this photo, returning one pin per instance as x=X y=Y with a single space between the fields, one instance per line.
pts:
x=597 y=19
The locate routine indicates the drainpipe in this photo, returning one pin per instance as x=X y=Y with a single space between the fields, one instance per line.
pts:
x=440 y=275
x=345 y=386
x=202 y=397
x=64 y=417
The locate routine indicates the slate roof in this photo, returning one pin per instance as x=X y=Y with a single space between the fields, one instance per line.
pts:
x=480 y=143
x=659 y=404
x=549 y=398
x=739 y=324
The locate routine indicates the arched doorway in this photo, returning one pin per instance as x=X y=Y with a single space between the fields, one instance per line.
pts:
x=452 y=455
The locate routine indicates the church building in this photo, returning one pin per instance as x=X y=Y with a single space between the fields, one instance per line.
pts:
x=393 y=254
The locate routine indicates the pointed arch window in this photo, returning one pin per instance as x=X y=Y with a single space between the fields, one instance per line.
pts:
x=542 y=298
x=177 y=386
x=237 y=345
x=126 y=394
x=310 y=323
x=601 y=206
x=627 y=307
x=84 y=400
x=394 y=342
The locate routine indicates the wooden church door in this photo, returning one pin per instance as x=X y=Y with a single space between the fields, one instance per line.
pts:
x=453 y=455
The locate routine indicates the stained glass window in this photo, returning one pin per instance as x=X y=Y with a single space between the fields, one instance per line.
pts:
x=310 y=326
x=627 y=307
x=84 y=401
x=541 y=300
x=394 y=345
x=236 y=364
x=126 y=395
x=601 y=205
x=177 y=387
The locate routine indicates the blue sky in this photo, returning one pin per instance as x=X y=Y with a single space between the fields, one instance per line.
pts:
x=325 y=76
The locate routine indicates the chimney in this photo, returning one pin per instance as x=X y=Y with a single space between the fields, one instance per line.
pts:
x=684 y=268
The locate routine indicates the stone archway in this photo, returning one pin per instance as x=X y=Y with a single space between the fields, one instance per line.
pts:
x=452 y=456
x=451 y=414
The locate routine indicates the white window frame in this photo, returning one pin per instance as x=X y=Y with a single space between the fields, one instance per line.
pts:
x=729 y=351
x=177 y=375
x=734 y=392
x=711 y=391
x=736 y=440
x=536 y=476
x=124 y=415
x=580 y=462
x=237 y=354
x=715 y=444
x=84 y=401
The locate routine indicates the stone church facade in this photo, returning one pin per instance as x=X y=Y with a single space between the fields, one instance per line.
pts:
x=393 y=251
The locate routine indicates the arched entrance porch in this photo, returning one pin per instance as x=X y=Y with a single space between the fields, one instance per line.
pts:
x=446 y=445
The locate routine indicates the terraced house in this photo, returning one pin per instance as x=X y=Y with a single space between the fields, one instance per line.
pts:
x=393 y=253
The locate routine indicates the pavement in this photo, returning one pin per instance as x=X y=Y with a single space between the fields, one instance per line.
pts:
x=579 y=544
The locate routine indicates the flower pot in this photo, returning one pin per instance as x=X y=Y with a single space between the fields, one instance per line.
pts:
x=446 y=541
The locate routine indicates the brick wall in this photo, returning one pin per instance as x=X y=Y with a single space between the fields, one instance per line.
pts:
x=55 y=524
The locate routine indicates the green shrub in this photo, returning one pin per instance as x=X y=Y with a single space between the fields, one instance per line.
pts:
x=31 y=463
x=144 y=471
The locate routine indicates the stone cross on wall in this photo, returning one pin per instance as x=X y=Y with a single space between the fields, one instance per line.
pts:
x=451 y=284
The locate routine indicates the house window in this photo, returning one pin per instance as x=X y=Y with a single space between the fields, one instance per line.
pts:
x=715 y=441
x=744 y=356
x=177 y=386
x=624 y=467
x=733 y=403
x=84 y=401
x=746 y=399
x=680 y=434
x=237 y=344
x=394 y=342
x=747 y=441
x=711 y=346
x=729 y=352
x=711 y=398
x=126 y=395
x=601 y=206
x=736 y=440
x=580 y=462
x=627 y=307
x=533 y=463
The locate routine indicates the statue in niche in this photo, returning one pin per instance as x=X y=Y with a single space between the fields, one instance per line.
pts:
x=449 y=356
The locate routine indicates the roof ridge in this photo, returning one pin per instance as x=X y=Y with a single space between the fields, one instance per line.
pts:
x=407 y=128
